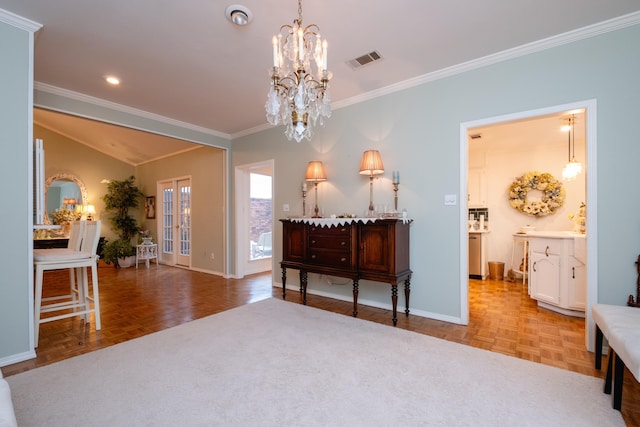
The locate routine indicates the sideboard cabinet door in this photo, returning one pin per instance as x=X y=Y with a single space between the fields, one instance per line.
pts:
x=293 y=249
x=384 y=250
x=375 y=248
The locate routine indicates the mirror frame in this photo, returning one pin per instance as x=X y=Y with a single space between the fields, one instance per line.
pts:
x=64 y=177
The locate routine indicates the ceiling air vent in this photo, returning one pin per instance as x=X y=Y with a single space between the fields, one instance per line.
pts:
x=365 y=59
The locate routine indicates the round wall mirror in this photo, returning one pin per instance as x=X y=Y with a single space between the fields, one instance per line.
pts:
x=63 y=191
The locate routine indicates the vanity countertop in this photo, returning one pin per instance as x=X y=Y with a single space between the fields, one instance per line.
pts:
x=478 y=231
x=553 y=234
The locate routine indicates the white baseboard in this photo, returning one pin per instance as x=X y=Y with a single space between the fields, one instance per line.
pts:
x=15 y=358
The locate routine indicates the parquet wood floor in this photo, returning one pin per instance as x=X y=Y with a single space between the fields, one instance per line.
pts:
x=139 y=302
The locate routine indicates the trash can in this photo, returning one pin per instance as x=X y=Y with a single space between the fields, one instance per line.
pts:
x=496 y=270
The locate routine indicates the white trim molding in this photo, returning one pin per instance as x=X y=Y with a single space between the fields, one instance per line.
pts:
x=18 y=21
x=516 y=52
x=76 y=96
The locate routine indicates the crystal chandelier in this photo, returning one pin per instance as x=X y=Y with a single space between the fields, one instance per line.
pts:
x=298 y=96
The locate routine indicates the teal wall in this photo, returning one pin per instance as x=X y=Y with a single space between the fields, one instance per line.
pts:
x=418 y=133
x=15 y=170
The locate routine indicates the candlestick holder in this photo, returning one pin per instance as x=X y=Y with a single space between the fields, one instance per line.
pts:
x=316 y=210
x=395 y=195
x=304 y=203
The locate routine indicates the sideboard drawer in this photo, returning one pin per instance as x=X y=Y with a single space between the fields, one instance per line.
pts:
x=341 y=230
x=337 y=259
x=339 y=243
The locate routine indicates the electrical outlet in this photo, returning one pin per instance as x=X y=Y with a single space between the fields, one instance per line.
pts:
x=450 y=199
x=213 y=256
x=285 y=207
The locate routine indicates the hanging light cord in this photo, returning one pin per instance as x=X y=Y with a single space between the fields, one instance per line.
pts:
x=573 y=136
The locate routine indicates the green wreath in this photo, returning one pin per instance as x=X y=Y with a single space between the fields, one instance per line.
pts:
x=552 y=194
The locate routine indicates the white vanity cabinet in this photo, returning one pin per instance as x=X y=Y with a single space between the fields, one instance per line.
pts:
x=545 y=273
x=477 y=188
x=557 y=279
x=577 y=284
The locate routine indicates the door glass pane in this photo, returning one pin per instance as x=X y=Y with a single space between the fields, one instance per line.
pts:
x=260 y=216
x=167 y=213
x=185 y=220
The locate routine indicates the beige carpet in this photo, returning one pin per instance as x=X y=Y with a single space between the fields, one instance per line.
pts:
x=274 y=363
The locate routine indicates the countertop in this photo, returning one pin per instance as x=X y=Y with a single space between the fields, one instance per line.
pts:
x=478 y=231
x=579 y=239
x=553 y=234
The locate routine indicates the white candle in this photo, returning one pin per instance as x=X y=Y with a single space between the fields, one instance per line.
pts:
x=301 y=45
x=275 y=51
x=324 y=55
x=396 y=177
x=304 y=185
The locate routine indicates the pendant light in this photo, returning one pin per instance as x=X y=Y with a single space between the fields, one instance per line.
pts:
x=573 y=167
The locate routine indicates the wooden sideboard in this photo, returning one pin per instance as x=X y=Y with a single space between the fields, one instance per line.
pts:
x=356 y=249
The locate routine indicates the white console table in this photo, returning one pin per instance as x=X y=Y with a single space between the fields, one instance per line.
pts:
x=520 y=239
x=146 y=253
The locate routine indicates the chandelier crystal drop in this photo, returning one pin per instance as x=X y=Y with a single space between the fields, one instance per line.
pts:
x=298 y=95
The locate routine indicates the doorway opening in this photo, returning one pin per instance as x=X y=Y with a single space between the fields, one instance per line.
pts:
x=467 y=129
x=254 y=217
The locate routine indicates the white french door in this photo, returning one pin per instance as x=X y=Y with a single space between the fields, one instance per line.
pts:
x=175 y=222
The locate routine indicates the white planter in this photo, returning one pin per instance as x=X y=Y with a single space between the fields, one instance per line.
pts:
x=127 y=262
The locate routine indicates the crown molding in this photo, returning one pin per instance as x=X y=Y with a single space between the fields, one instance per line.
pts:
x=18 y=21
x=516 y=52
x=54 y=90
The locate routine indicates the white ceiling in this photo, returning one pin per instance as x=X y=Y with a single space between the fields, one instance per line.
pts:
x=127 y=145
x=541 y=131
x=186 y=61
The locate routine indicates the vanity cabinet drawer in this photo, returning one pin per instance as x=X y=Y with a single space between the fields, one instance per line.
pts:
x=551 y=246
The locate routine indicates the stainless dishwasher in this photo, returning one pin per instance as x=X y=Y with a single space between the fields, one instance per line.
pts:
x=475 y=256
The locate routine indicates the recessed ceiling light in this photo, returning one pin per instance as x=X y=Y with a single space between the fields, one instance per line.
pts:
x=112 y=80
x=238 y=14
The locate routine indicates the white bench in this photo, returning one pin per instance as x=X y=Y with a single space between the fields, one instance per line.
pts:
x=621 y=326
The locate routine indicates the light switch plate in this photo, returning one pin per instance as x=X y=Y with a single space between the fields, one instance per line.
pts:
x=285 y=207
x=450 y=199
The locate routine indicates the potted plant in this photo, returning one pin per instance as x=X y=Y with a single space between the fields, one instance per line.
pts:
x=120 y=198
x=145 y=237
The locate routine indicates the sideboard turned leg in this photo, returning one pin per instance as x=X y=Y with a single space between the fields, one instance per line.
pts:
x=355 y=297
x=284 y=282
x=303 y=286
x=394 y=302
x=407 y=293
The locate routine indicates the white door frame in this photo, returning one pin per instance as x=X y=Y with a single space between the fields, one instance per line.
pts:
x=592 y=204
x=241 y=194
